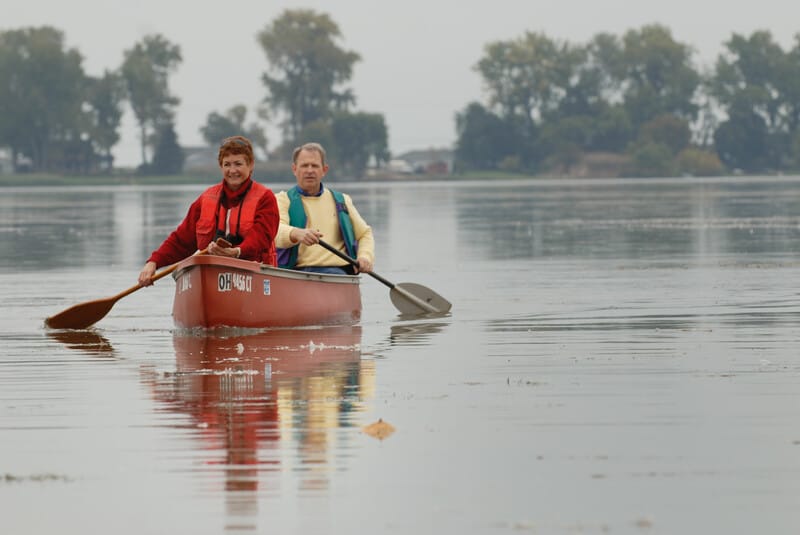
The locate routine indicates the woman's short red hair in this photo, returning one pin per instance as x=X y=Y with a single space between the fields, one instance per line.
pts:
x=236 y=145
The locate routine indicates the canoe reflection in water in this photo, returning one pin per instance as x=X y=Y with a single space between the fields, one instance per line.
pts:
x=271 y=401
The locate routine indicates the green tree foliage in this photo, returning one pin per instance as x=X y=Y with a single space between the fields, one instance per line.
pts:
x=612 y=130
x=795 y=153
x=232 y=123
x=591 y=97
x=168 y=155
x=42 y=88
x=789 y=83
x=564 y=139
x=351 y=141
x=668 y=130
x=105 y=97
x=318 y=131
x=652 y=160
x=146 y=69
x=565 y=99
x=522 y=77
x=307 y=69
x=699 y=162
x=484 y=139
x=658 y=75
x=550 y=103
x=359 y=138
x=525 y=79
x=741 y=141
x=638 y=94
x=746 y=76
x=757 y=85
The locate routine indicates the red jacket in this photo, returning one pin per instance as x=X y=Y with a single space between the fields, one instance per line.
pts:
x=258 y=224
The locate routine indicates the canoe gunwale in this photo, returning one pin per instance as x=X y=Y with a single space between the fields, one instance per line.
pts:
x=264 y=269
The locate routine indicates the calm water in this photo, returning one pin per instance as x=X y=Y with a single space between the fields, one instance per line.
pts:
x=621 y=357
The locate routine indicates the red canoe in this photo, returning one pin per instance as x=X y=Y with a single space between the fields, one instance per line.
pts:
x=213 y=292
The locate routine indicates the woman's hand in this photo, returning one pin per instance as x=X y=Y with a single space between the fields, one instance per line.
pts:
x=146 y=275
x=223 y=248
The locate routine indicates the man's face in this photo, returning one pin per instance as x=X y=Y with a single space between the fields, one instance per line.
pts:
x=308 y=170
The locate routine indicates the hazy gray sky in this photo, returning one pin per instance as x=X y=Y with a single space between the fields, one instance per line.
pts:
x=417 y=55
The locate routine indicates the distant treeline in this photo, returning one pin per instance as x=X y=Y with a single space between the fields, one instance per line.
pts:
x=54 y=118
x=641 y=97
x=637 y=102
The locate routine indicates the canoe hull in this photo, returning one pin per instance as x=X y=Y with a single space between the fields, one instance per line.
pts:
x=215 y=292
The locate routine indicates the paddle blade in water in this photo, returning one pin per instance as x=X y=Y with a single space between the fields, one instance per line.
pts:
x=81 y=316
x=411 y=298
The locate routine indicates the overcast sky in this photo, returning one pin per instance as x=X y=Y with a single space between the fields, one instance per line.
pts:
x=417 y=55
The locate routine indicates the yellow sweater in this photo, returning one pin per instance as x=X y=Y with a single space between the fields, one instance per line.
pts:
x=321 y=215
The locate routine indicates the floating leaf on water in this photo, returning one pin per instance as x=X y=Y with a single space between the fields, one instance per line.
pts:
x=379 y=429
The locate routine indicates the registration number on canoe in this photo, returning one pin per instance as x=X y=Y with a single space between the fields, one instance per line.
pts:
x=234 y=281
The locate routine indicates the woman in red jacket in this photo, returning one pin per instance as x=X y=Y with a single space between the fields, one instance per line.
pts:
x=238 y=209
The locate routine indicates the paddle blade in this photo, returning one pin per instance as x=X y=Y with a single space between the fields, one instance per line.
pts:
x=82 y=315
x=411 y=298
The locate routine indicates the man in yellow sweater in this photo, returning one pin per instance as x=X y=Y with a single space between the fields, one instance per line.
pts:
x=310 y=212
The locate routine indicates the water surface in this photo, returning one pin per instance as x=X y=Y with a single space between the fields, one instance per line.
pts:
x=621 y=357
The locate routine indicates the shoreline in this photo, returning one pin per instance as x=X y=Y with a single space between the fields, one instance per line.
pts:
x=43 y=180
x=33 y=180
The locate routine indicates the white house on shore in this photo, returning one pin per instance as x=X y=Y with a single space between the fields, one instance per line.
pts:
x=6 y=165
x=428 y=161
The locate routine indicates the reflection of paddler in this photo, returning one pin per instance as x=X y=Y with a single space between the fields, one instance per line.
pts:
x=247 y=389
x=414 y=333
x=87 y=341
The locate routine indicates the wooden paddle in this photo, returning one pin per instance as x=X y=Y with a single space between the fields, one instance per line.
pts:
x=83 y=315
x=409 y=298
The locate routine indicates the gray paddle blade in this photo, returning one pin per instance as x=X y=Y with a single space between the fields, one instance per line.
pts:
x=411 y=298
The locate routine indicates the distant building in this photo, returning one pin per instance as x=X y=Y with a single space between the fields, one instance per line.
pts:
x=24 y=164
x=399 y=166
x=6 y=165
x=429 y=161
x=202 y=158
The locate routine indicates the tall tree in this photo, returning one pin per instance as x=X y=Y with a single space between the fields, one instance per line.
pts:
x=524 y=77
x=755 y=77
x=484 y=139
x=748 y=71
x=789 y=84
x=658 y=75
x=307 y=69
x=168 y=156
x=359 y=137
x=105 y=96
x=41 y=93
x=741 y=141
x=146 y=69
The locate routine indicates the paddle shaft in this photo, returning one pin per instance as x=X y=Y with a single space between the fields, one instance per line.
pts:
x=161 y=274
x=83 y=315
x=354 y=262
x=407 y=295
x=156 y=276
